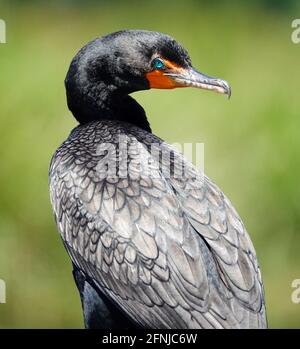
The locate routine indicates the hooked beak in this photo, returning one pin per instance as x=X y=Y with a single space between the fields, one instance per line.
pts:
x=193 y=78
x=175 y=76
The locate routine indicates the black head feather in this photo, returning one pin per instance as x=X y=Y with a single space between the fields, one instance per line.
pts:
x=107 y=69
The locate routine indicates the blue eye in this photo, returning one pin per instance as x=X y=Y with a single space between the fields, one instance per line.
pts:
x=158 y=64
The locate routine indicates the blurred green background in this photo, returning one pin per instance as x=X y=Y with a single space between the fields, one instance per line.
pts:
x=251 y=142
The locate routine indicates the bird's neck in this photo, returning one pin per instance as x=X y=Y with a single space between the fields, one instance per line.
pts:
x=107 y=105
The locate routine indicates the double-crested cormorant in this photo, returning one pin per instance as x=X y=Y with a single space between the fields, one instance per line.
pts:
x=149 y=249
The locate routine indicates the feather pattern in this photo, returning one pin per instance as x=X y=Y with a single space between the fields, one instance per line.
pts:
x=170 y=251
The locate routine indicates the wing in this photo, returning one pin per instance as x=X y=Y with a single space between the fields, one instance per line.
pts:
x=171 y=252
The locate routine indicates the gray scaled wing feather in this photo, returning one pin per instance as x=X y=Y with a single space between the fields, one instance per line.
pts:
x=168 y=249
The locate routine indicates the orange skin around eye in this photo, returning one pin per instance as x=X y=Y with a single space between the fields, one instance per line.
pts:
x=157 y=79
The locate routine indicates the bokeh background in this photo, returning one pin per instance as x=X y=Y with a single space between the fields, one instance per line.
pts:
x=251 y=142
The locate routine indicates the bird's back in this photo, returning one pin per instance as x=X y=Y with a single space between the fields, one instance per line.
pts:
x=155 y=236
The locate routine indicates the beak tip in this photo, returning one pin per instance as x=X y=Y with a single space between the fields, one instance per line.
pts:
x=227 y=88
x=229 y=93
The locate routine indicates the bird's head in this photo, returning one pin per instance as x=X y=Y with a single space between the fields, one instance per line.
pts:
x=132 y=60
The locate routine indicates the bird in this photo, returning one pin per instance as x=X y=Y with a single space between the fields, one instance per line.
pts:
x=153 y=242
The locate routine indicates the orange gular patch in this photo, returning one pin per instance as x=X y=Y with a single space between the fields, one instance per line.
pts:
x=157 y=79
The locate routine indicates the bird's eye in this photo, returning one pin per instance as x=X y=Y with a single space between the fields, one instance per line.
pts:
x=158 y=64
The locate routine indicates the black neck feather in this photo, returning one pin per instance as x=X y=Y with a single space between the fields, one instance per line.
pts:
x=104 y=103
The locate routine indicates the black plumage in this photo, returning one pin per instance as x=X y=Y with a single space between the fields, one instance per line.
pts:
x=152 y=251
